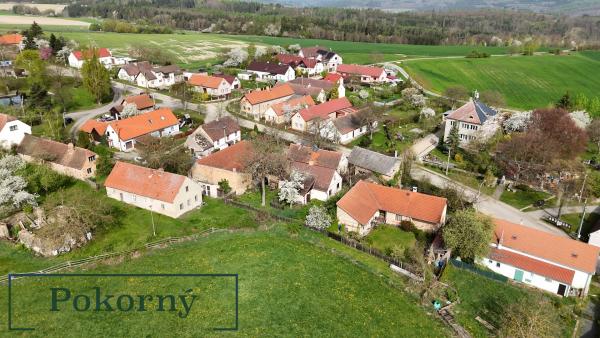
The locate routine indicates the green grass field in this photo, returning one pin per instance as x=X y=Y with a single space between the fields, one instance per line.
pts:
x=520 y=199
x=302 y=285
x=385 y=238
x=484 y=297
x=525 y=82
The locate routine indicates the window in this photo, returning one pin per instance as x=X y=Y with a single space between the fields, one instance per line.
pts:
x=490 y=261
x=89 y=170
x=399 y=218
x=121 y=196
x=189 y=202
x=13 y=128
x=187 y=189
x=162 y=206
x=92 y=158
x=497 y=265
x=196 y=198
x=181 y=206
x=548 y=280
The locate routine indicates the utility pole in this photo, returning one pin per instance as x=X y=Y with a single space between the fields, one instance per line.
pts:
x=582 y=218
x=583 y=186
x=448 y=162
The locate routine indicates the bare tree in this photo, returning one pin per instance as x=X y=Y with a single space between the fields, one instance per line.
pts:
x=531 y=316
x=266 y=159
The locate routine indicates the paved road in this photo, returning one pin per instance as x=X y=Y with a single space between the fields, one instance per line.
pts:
x=83 y=116
x=486 y=204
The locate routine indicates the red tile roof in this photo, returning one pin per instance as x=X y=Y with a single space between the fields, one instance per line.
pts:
x=322 y=176
x=295 y=60
x=142 y=181
x=364 y=199
x=91 y=125
x=206 y=81
x=557 y=249
x=324 y=109
x=229 y=78
x=320 y=157
x=533 y=265
x=275 y=93
x=142 y=101
x=333 y=77
x=360 y=70
x=11 y=39
x=232 y=158
x=101 y=52
x=293 y=104
x=143 y=124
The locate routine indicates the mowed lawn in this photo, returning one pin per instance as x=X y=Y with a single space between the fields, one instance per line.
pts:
x=526 y=82
x=289 y=286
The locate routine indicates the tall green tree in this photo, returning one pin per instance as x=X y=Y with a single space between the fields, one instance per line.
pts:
x=34 y=66
x=96 y=78
x=32 y=33
x=468 y=234
x=565 y=102
x=453 y=141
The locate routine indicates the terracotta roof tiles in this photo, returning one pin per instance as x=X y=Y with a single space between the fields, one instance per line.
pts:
x=275 y=93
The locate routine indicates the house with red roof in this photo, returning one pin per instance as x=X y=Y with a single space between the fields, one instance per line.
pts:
x=556 y=264
x=213 y=136
x=123 y=134
x=153 y=189
x=143 y=103
x=330 y=59
x=321 y=170
x=366 y=74
x=306 y=66
x=216 y=87
x=233 y=81
x=282 y=112
x=316 y=117
x=367 y=205
x=228 y=164
x=346 y=129
x=256 y=103
x=11 y=44
x=474 y=120
x=77 y=57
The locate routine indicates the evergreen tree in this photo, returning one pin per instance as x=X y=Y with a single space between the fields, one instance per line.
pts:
x=30 y=34
x=96 y=78
x=565 y=102
x=453 y=139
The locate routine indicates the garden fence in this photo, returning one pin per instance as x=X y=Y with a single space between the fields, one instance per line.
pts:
x=485 y=273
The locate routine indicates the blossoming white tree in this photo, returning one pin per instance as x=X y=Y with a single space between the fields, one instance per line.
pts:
x=12 y=186
x=289 y=191
x=236 y=57
x=318 y=218
x=517 y=122
x=130 y=109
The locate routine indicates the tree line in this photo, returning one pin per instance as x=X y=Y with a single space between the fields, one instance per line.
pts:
x=498 y=27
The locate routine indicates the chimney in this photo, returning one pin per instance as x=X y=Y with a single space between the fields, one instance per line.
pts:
x=476 y=95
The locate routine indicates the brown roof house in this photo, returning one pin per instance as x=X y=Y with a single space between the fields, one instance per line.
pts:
x=142 y=102
x=66 y=159
x=330 y=59
x=368 y=204
x=556 y=264
x=214 y=136
x=228 y=164
x=312 y=87
x=267 y=71
x=151 y=189
x=370 y=162
x=366 y=74
x=321 y=170
x=474 y=120
x=256 y=103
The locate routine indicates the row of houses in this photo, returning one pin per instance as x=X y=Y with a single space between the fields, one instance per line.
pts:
x=105 y=56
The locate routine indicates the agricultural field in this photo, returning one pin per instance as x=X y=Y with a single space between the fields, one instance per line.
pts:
x=336 y=290
x=526 y=82
x=17 y=20
x=363 y=52
x=191 y=49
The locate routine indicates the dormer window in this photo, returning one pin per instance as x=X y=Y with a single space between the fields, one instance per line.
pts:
x=13 y=128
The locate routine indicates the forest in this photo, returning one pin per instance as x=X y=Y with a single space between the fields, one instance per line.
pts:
x=474 y=27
